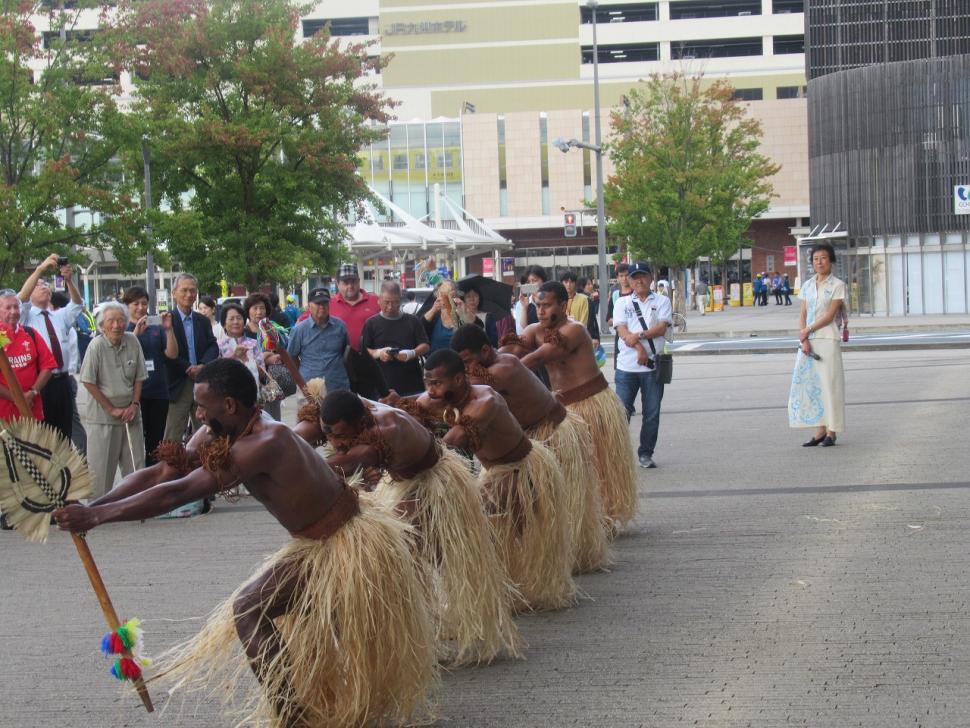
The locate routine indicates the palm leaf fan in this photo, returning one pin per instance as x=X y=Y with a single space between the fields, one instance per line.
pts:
x=41 y=471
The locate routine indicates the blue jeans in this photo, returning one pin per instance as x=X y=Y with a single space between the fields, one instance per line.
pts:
x=651 y=394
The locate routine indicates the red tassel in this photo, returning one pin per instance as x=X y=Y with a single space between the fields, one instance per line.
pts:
x=117 y=646
x=130 y=669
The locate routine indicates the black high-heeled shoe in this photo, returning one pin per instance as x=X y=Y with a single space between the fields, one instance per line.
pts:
x=829 y=441
x=813 y=442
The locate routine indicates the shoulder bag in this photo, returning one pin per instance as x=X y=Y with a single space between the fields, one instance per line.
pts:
x=664 y=363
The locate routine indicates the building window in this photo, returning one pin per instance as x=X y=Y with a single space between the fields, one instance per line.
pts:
x=791 y=92
x=789 y=44
x=627 y=13
x=713 y=9
x=338 y=26
x=748 y=94
x=544 y=161
x=419 y=161
x=723 y=48
x=400 y=161
x=780 y=7
x=51 y=37
x=587 y=160
x=623 y=53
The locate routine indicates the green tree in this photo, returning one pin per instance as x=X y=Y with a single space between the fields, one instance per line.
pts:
x=254 y=135
x=60 y=133
x=688 y=177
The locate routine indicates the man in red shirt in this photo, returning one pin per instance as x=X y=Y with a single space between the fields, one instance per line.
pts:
x=352 y=306
x=30 y=359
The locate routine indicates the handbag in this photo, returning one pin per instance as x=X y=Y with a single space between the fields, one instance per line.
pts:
x=664 y=363
x=269 y=389
x=283 y=378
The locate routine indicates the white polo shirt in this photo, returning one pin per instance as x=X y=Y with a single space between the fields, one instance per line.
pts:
x=655 y=308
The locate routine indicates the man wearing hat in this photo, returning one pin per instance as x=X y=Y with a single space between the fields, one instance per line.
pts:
x=317 y=343
x=640 y=318
x=352 y=305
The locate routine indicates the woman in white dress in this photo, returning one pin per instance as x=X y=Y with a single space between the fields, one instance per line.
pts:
x=817 y=397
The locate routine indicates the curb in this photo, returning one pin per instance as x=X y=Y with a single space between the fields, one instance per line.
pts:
x=845 y=349
x=691 y=335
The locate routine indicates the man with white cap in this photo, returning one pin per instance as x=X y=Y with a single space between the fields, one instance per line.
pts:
x=640 y=319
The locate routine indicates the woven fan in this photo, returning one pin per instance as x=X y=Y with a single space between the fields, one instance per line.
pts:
x=40 y=473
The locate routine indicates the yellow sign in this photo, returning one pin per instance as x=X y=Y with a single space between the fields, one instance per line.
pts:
x=735 y=295
x=718 y=299
x=748 y=297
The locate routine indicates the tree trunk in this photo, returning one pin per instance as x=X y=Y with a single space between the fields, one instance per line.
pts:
x=676 y=290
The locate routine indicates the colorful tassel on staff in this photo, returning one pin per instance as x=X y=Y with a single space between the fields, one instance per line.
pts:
x=126 y=637
x=126 y=669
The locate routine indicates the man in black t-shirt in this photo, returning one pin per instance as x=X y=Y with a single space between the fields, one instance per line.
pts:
x=395 y=340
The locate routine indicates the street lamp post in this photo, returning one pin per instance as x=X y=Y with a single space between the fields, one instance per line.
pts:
x=150 y=259
x=600 y=210
x=597 y=148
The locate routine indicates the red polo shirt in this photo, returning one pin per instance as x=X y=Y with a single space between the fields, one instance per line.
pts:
x=354 y=315
x=28 y=358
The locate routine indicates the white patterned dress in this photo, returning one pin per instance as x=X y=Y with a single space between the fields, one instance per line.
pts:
x=817 y=396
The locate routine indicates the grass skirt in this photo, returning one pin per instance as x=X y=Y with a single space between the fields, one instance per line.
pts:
x=572 y=445
x=358 y=641
x=475 y=597
x=531 y=527
x=613 y=454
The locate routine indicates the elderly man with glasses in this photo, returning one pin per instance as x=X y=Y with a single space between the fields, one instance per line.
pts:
x=395 y=340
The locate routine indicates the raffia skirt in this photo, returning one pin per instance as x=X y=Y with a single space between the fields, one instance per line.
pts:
x=358 y=639
x=474 y=595
x=530 y=524
x=817 y=395
x=612 y=453
x=572 y=445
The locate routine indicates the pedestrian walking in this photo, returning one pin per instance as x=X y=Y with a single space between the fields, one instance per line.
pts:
x=776 y=287
x=159 y=347
x=817 y=395
x=113 y=373
x=786 y=289
x=55 y=329
x=700 y=291
x=642 y=318
x=197 y=347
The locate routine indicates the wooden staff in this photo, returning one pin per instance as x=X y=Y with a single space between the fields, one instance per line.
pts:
x=97 y=583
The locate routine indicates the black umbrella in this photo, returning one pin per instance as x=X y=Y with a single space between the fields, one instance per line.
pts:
x=496 y=296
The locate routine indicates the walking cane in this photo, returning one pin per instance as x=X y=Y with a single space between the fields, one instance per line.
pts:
x=80 y=543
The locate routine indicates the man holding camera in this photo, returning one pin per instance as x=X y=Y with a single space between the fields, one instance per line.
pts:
x=641 y=319
x=396 y=340
x=55 y=328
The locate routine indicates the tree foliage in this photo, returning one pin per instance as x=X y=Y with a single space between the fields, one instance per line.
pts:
x=689 y=178
x=60 y=133
x=254 y=135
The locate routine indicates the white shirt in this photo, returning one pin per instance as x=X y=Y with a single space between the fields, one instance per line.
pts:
x=655 y=308
x=63 y=321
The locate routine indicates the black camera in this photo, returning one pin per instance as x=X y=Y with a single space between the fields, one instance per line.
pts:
x=62 y=261
x=393 y=352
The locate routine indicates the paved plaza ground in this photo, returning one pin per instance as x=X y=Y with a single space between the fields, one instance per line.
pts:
x=763 y=584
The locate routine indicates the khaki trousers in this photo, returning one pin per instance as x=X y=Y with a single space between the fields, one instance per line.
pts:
x=180 y=410
x=110 y=446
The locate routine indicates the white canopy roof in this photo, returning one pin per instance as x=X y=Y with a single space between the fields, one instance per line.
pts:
x=470 y=236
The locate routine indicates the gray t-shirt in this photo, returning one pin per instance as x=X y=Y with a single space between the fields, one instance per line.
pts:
x=701 y=288
x=114 y=370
